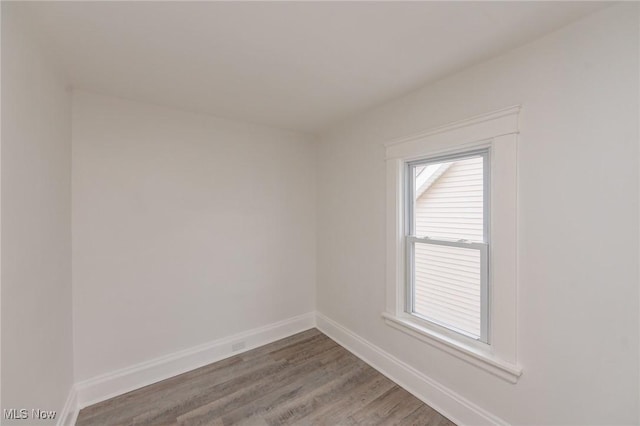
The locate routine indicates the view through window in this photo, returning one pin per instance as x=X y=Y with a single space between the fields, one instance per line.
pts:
x=447 y=242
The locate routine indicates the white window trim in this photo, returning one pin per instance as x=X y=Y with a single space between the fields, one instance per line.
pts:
x=497 y=131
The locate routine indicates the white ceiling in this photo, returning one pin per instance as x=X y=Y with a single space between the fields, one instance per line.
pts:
x=300 y=66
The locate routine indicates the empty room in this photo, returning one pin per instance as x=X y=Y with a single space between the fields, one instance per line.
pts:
x=320 y=213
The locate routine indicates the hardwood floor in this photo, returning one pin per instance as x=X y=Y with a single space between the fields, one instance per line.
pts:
x=305 y=379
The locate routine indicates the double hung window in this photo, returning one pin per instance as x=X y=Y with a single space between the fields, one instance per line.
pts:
x=447 y=242
x=452 y=239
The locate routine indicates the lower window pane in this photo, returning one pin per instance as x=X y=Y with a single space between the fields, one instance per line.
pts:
x=447 y=286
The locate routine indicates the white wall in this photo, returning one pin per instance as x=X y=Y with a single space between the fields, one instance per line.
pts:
x=186 y=228
x=578 y=222
x=37 y=356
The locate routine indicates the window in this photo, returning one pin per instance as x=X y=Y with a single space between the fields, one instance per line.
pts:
x=452 y=239
x=447 y=242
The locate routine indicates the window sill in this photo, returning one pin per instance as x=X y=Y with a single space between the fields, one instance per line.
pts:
x=470 y=354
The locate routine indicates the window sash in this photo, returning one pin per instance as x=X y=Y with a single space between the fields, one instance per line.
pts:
x=483 y=248
x=410 y=186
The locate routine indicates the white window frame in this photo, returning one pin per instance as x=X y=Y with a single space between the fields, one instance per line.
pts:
x=497 y=132
x=483 y=247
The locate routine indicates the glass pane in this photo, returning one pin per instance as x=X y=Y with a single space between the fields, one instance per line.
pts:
x=447 y=286
x=448 y=200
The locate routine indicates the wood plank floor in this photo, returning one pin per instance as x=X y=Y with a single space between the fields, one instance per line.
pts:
x=305 y=379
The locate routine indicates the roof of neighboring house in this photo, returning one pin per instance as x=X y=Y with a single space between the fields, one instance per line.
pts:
x=429 y=175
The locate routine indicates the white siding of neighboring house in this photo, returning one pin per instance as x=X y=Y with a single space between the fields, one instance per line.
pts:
x=447 y=279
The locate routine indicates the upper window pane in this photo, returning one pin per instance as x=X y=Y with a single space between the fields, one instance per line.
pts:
x=448 y=199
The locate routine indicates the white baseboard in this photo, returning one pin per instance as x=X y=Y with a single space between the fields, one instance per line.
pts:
x=447 y=402
x=444 y=400
x=115 y=383
x=69 y=413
